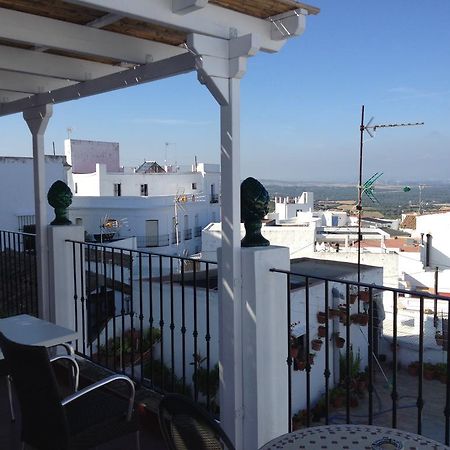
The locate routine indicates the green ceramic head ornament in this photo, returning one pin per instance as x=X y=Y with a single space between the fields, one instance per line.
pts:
x=60 y=198
x=254 y=206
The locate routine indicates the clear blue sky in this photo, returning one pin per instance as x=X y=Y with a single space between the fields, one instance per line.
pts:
x=300 y=107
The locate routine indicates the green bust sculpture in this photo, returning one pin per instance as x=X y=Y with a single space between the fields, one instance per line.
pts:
x=254 y=206
x=60 y=198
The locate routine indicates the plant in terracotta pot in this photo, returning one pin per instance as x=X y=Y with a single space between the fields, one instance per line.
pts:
x=316 y=344
x=334 y=313
x=364 y=296
x=363 y=319
x=322 y=331
x=352 y=298
x=354 y=319
x=299 y=364
x=337 y=397
x=338 y=340
x=321 y=317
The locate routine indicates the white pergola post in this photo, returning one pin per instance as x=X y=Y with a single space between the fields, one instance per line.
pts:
x=220 y=65
x=37 y=121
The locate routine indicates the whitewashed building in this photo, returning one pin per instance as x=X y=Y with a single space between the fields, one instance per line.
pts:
x=18 y=203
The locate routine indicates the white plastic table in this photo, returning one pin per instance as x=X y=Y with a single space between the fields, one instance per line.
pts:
x=352 y=437
x=30 y=330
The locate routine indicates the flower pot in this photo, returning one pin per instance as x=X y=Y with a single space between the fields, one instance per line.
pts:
x=339 y=341
x=364 y=296
x=363 y=319
x=428 y=374
x=293 y=351
x=332 y=313
x=316 y=344
x=352 y=298
x=299 y=365
x=354 y=318
x=413 y=370
x=322 y=331
x=321 y=317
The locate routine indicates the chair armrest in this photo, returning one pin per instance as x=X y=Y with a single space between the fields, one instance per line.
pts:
x=100 y=384
x=68 y=347
x=75 y=367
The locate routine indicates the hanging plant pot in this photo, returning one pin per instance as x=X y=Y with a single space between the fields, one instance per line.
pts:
x=363 y=319
x=293 y=351
x=364 y=296
x=321 y=317
x=299 y=365
x=339 y=341
x=332 y=313
x=352 y=298
x=316 y=344
x=354 y=318
x=322 y=331
x=311 y=358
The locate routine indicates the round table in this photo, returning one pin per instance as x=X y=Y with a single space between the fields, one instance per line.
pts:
x=351 y=437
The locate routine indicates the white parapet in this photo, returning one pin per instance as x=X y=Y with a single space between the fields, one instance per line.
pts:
x=261 y=352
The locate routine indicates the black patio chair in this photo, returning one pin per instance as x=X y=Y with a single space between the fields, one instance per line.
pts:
x=187 y=426
x=85 y=419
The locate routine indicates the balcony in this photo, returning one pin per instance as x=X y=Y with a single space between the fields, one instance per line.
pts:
x=214 y=198
x=188 y=234
x=197 y=231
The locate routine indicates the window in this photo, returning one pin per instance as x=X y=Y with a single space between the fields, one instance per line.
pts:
x=117 y=189
x=194 y=186
x=144 y=190
x=76 y=188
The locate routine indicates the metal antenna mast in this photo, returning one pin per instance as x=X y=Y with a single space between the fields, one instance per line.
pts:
x=370 y=129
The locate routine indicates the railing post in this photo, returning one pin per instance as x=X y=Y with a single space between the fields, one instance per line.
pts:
x=60 y=270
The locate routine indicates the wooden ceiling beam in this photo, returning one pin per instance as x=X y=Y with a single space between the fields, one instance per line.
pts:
x=56 y=34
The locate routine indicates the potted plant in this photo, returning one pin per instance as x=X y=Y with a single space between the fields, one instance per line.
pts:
x=338 y=340
x=316 y=344
x=337 y=397
x=299 y=364
x=352 y=298
x=321 y=317
x=354 y=318
x=334 y=312
x=363 y=319
x=322 y=331
x=364 y=296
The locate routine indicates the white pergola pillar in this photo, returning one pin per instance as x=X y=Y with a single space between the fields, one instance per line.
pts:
x=37 y=121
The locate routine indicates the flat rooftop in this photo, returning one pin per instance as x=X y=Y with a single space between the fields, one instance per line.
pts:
x=325 y=268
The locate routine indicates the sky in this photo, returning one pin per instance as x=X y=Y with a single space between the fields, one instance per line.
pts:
x=300 y=107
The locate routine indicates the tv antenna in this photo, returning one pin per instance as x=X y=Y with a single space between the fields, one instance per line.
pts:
x=370 y=130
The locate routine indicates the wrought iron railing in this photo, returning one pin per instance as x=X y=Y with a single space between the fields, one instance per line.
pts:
x=18 y=288
x=159 y=240
x=367 y=353
x=151 y=316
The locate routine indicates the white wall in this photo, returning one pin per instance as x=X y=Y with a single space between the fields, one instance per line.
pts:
x=84 y=155
x=17 y=188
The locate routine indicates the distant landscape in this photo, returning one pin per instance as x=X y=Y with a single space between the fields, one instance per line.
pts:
x=393 y=201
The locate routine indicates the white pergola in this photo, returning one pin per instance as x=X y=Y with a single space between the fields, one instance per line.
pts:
x=53 y=51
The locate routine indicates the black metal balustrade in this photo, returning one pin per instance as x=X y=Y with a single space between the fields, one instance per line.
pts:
x=149 y=315
x=335 y=326
x=18 y=288
x=160 y=240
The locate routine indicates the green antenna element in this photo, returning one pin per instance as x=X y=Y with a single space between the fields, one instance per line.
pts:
x=60 y=198
x=368 y=187
x=406 y=189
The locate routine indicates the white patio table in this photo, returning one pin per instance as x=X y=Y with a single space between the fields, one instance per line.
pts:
x=352 y=437
x=30 y=330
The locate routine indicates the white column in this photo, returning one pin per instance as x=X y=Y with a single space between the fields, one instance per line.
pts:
x=230 y=350
x=37 y=120
x=264 y=345
x=61 y=274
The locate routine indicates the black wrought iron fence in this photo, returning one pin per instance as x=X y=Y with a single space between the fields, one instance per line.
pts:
x=18 y=288
x=152 y=316
x=367 y=353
